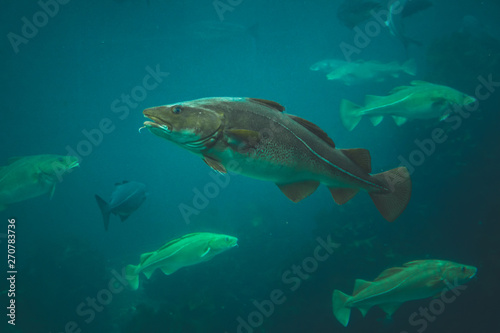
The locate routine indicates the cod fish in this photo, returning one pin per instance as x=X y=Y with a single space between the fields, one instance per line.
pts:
x=421 y=100
x=255 y=138
x=185 y=251
x=126 y=198
x=357 y=72
x=415 y=280
x=31 y=176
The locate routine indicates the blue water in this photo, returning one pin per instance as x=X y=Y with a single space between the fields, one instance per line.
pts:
x=65 y=91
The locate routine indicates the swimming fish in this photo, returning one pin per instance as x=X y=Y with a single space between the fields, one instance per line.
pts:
x=31 y=176
x=421 y=100
x=255 y=138
x=126 y=198
x=185 y=251
x=362 y=71
x=415 y=280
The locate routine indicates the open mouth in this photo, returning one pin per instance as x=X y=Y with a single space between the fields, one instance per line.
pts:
x=166 y=127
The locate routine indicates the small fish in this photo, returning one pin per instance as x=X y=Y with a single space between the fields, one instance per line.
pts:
x=185 y=251
x=415 y=280
x=421 y=100
x=31 y=176
x=126 y=198
x=255 y=138
x=364 y=71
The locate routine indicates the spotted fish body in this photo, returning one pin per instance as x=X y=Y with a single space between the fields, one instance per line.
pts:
x=255 y=138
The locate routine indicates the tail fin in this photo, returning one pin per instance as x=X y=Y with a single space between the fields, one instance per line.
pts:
x=104 y=207
x=349 y=114
x=392 y=204
x=132 y=276
x=410 y=67
x=340 y=311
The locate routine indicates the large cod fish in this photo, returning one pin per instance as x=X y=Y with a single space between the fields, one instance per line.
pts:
x=255 y=138
x=31 y=176
x=415 y=280
x=185 y=251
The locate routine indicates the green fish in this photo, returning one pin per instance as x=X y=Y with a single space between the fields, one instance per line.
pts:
x=415 y=280
x=185 y=251
x=421 y=100
x=356 y=72
x=255 y=138
x=31 y=176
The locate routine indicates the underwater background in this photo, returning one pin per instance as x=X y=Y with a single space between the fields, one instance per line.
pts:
x=72 y=73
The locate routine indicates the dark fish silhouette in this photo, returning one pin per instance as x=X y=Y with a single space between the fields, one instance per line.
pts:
x=396 y=16
x=126 y=199
x=353 y=12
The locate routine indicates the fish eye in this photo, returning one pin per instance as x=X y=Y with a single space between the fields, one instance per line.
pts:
x=463 y=269
x=227 y=239
x=176 y=110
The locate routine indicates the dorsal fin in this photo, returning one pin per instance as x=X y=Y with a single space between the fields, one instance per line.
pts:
x=173 y=241
x=360 y=285
x=415 y=262
x=313 y=128
x=145 y=256
x=420 y=83
x=361 y=157
x=389 y=272
x=271 y=104
x=14 y=159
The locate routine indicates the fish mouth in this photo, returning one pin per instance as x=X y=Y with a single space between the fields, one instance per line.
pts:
x=74 y=165
x=155 y=124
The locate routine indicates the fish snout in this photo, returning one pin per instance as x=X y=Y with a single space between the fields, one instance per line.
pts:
x=469 y=100
x=157 y=120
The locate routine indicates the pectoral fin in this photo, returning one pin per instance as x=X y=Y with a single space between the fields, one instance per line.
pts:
x=206 y=252
x=52 y=190
x=242 y=138
x=298 y=191
x=214 y=164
